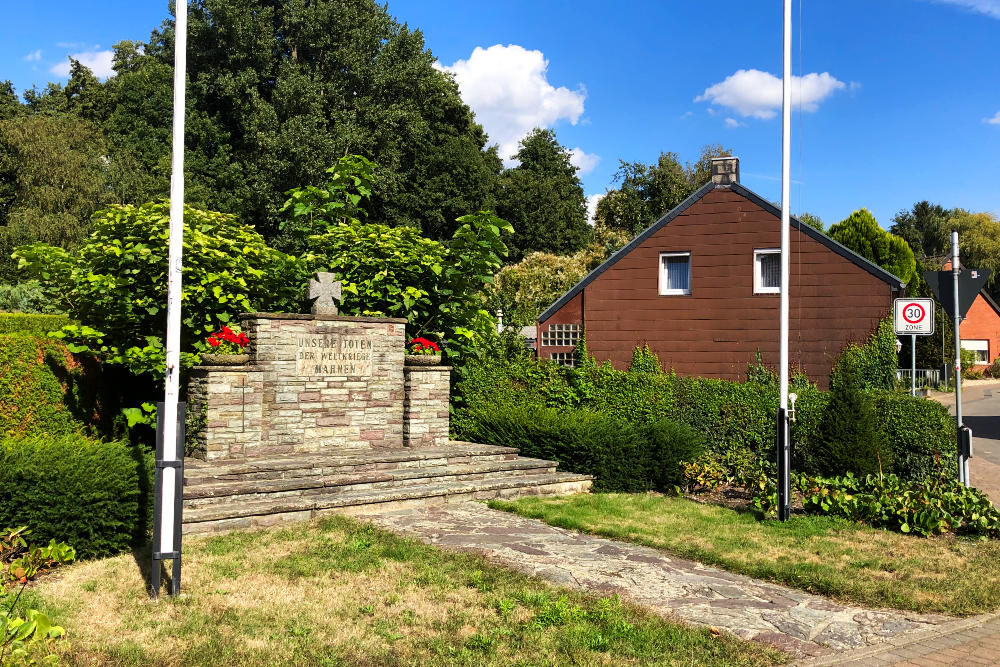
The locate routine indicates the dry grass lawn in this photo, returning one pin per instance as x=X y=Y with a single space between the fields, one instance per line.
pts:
x=336 y=592
x=824 y=555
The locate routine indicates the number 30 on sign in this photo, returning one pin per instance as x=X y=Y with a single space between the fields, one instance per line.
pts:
x=914 y=317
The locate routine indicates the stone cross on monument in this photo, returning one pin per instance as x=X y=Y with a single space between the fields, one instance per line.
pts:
x=323 y=289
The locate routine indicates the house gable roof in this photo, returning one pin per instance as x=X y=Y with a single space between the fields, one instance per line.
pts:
x=696 y=196
x=993 y=304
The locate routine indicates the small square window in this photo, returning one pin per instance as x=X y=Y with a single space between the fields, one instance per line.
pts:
x=767 y=271
x=675 y=273
x=564 y=358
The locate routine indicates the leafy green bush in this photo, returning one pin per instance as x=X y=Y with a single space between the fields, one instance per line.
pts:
x=24 y=323
x=93 y=494
x=644 y=360
x=116 y=282
x=928 y=507
x=24 y=297
x=580 y=441
x=396 y=272
x=872 y=365
x=668 y=446
x=736 y=420
x=621 y=457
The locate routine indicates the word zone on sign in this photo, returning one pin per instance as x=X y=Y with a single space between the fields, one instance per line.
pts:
x=325 y=354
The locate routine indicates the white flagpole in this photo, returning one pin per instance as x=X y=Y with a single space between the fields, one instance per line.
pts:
x=786 y=152
x=175 y=263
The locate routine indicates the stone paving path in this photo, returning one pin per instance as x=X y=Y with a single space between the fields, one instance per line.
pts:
x=969 y=641
x=802 y=624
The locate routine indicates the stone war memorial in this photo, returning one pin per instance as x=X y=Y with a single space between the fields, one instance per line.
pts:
x=326 y=414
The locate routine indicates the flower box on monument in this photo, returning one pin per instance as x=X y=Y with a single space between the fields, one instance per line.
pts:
x=209 y=359
x=422 y=359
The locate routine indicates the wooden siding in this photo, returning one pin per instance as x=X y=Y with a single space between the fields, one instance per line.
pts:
x=717 y=329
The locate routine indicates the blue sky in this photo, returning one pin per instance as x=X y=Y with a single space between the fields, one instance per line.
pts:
x=896 y=95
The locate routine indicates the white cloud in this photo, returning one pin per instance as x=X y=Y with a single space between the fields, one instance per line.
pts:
x=995 y=120
x=34 y=56
x=592 y=206
x=988 y=7
x=732 y=122
x=507 y=87
x=750 y=92
x=583 y=161
x=99 y=62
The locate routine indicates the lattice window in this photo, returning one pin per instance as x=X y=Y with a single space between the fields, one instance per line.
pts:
x=564 y=358
x=562 y=335
x=767 y=271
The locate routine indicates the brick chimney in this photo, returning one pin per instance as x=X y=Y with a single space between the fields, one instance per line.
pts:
x=725 y=170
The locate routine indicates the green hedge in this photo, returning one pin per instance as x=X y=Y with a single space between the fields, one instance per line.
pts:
x=736 y=419
x=94 y=495
x=22 y=323
x=621 y=457
x=40 y=387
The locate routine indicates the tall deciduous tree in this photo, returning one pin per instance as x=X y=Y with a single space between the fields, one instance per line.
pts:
x=52 y=170
x=925 y=229
x=543 y=198
x=861 y=233
x=279 y=89
x=648 y=191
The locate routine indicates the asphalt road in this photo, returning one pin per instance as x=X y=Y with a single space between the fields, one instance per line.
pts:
x=981 y=413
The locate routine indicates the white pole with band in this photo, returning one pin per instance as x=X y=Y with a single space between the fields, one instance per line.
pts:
x=166 y=537
x=784 y=446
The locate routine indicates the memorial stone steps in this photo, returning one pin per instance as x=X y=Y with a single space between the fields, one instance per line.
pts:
x=226 y=495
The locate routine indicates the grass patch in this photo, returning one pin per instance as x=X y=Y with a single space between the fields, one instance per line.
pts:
x=338 y=592
x=823 y=555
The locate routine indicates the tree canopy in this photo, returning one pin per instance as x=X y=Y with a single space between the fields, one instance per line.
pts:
x=543 y=199
x=861 y=233
x=277 y=91
x=648 y=191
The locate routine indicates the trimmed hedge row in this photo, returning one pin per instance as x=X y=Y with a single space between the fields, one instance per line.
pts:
x=736 y=419
x=23 y=323
x=91 y=494
x=39 y=381
x=620 y=456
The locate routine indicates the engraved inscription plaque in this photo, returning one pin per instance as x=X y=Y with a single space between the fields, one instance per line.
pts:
x=333 y=354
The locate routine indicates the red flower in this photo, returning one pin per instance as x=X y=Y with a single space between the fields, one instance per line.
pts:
x=213 y=341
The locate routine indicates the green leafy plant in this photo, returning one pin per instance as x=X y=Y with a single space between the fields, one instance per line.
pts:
x=20 y=564
x=396 y=272
x=644 y=360
x=115 y=284
x=314 y=210
x=928 y=507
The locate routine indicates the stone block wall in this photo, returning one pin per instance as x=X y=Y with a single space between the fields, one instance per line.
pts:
x=425 y=406
x=225 y=403
x=330 y=382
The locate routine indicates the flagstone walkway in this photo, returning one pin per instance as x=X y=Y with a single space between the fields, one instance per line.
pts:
x=802 y=624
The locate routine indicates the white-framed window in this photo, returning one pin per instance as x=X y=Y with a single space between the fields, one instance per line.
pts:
x=981 y=347
x=767 y=271
x=675 y=273
x=561 y=334
x=564 y=358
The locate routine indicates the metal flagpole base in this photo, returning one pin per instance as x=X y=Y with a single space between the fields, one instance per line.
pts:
x=784 y=467
x=177 y=465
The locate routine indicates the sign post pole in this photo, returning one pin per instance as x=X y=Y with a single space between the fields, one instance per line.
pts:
x=913 y=365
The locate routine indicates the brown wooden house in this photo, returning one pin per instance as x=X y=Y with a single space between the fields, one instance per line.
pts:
x=701 y=287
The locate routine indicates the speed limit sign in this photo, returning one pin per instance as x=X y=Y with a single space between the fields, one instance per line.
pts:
x=914 y=317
